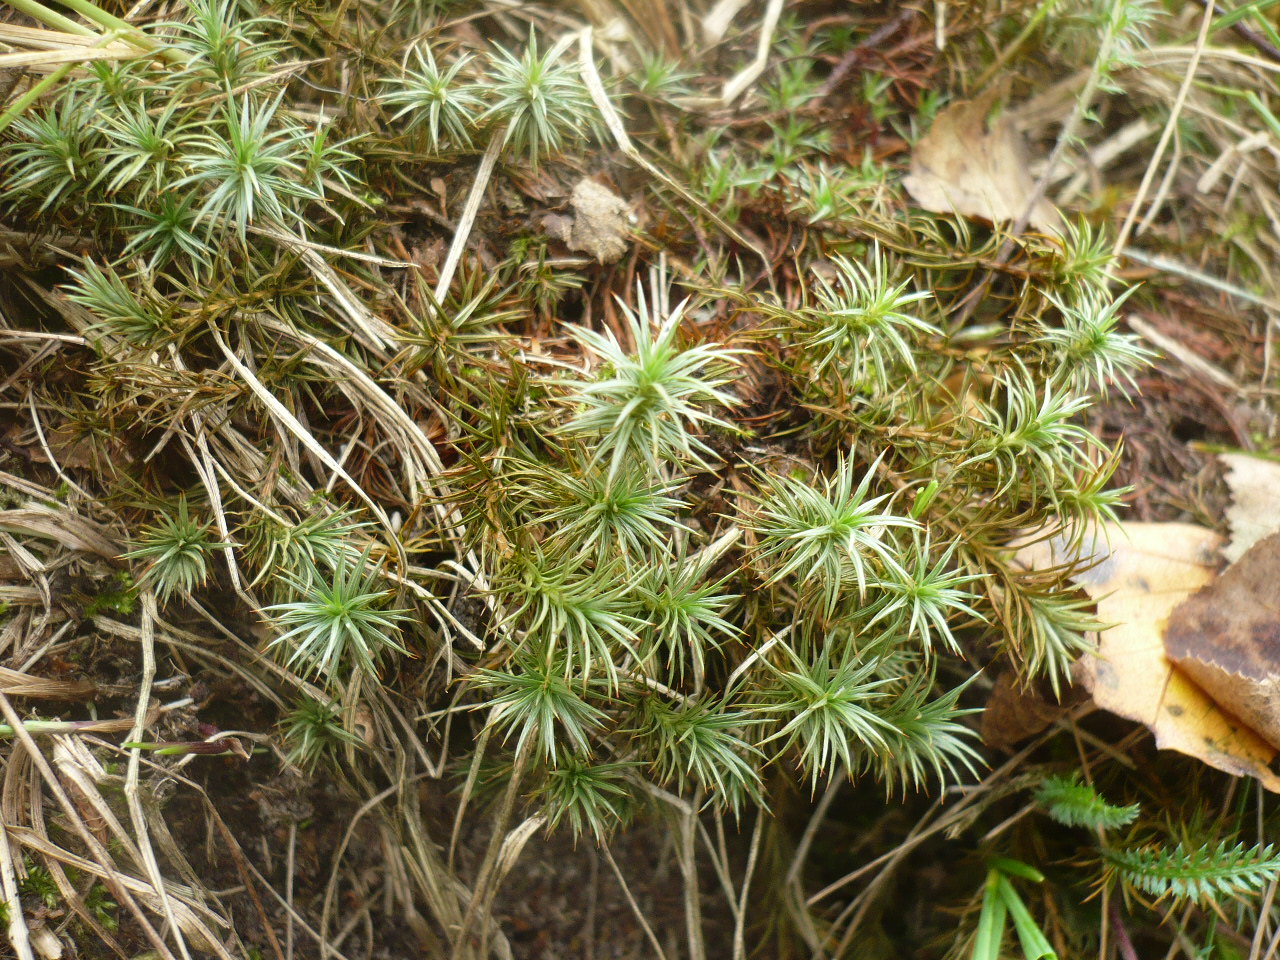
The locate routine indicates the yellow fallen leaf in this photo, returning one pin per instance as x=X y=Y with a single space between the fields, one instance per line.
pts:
x=1150 y=568
x=975 y=165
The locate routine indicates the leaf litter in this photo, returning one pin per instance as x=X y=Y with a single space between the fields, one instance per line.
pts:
x=973 y=162
x=1141 y=574
x=1255 y=501
x=599 y=225
x=1193 y=654
x=1226 y=637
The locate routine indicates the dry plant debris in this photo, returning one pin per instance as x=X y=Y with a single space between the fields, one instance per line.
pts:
x=599 y=225
x=1226 y=637
x=378 y=581
x=1140 y=574
x=1176 y=625
x=1015 y=713
x=973 y=162
x=1254 y=513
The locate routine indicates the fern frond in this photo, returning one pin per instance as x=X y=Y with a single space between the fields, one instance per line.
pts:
x=1075 y=804
x=1203 y=874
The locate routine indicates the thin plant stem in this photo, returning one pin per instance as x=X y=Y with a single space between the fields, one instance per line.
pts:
x=105 y=20
x=740 y=922
x=1066 y=136
x=692 y=890
x=489 y=871
x=1013 y=46
x=1166 y=135
x=51 y=18
x=635 y=907
x=34 y=93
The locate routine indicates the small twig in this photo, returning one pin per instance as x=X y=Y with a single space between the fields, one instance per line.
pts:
x=954 y=815
x=1008 y=822
x=1249 y=35
x=274 y=76
x=20 y=104
x=464 y=796
x=331 y=888
x=42 y=335
x=1272 y=947
x=715 y=22
x=296 y=242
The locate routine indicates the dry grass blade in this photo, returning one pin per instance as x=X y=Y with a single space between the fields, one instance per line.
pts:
x=102 y=864
x=591 y=77
x=294 y=428
x=481 y=183
x=375 y=333
x=137 y=734
x=487 y=886
x=737 y=84
x=1122 y=238
x=196 y=921
x=56 y=47
x=18 y=934
x=62 y=526
x=54 y=58
x=18 y=684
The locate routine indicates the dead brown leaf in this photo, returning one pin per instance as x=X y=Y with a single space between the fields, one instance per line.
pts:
x=1146 y=570
x=1013 y=713
x=1226 y=637
x=599 y=225
x=74 y=450
x=975 y=164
